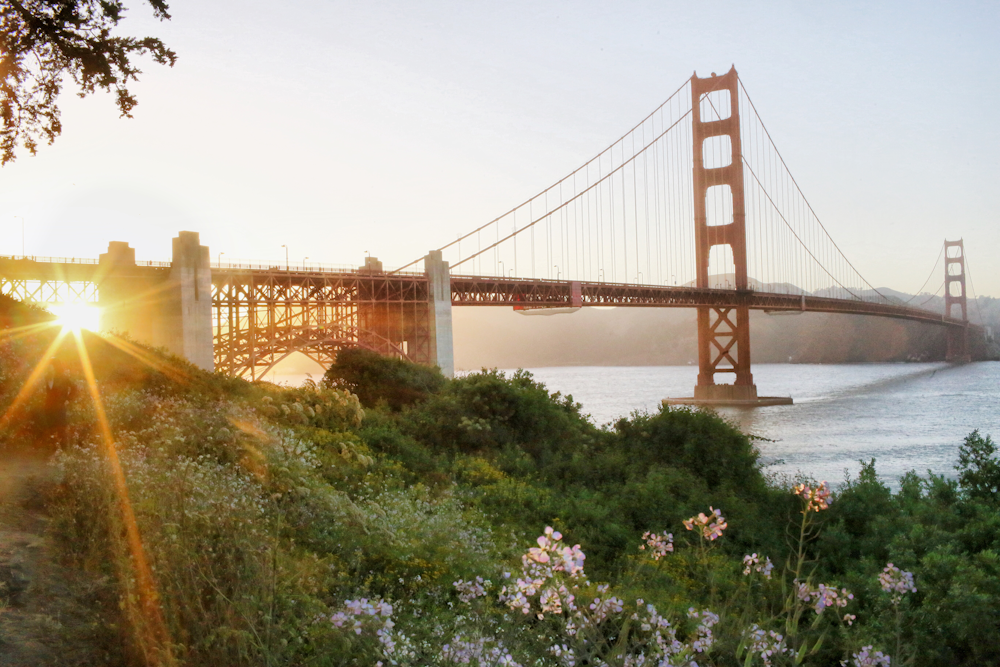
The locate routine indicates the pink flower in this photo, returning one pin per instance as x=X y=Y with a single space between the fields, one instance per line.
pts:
x=897 y=582
x=816 y=499
x=711 y=526
x=659 y=545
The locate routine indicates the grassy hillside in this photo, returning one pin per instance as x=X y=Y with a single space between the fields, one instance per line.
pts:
x=477 y=521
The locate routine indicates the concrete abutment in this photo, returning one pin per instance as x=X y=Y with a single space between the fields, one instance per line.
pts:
x=168 y=307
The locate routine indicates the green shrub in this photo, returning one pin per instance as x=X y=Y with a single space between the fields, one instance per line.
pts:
x=375 y=378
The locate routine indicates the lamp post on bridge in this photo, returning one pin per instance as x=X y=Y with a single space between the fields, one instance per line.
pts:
x=304 y=263
x=287 y=267
x=219 y=260
x=558 y=272
x=502 y=272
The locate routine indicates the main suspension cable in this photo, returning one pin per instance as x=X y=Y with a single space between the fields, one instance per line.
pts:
x=931 y=275
x=804 y=198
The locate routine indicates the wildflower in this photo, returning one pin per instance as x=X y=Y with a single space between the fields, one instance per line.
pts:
x=481 y=651
x=566 y=656
x=711 y=526
x=752 y=563
x=823 y=596
x=896 y=581
x=659 y=545
x=827 y=596
x=766 y=644
x=866 y=658
x=470 y=590
x=604 y=608
x=816 y=499
x=703 y=633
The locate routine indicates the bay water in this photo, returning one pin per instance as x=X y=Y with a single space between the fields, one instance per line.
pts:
x=906 y=416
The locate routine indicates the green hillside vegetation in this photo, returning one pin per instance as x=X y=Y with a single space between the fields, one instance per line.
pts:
x=390 y=516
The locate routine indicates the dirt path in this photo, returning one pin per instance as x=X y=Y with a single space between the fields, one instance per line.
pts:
x=44 y=619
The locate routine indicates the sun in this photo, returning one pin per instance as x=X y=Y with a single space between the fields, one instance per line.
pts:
x=77 y=316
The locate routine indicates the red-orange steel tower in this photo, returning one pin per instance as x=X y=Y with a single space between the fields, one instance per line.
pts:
x=954 y=274
x=723 y=333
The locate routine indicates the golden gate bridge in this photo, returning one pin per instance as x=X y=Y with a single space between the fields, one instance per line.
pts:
x=693 y=207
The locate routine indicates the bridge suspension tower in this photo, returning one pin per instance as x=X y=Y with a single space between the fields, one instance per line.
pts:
x=723 y=333
x=954 y=295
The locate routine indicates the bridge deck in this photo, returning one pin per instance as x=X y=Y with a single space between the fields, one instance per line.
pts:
x=366 y=285
x=478 y=291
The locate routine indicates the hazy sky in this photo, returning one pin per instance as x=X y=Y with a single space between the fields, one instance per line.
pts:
x=338 y=128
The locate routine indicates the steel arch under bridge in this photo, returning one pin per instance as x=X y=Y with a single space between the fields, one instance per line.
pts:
x=261 y=317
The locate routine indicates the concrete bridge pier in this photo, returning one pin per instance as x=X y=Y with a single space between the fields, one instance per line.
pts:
x=128 y=296
x=439 y=312
x=394 y=322
x=186 y=316
x=160 y=306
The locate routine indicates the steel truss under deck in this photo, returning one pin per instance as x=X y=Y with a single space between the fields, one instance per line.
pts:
x=261 y=317
x=49 y=291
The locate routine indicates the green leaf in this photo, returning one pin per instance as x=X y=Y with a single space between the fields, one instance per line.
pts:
x=818 y=643
x=801 y=654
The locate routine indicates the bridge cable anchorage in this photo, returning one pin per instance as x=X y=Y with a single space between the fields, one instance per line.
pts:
x=586 y=165
x=929 y=276
x=788 y=172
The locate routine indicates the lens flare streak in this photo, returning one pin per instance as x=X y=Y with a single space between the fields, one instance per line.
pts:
x=154 y=626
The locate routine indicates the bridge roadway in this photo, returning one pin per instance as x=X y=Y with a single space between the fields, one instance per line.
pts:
x=269 y=284
x=479 y=291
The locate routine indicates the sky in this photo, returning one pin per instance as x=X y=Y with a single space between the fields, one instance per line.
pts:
x=340 y=129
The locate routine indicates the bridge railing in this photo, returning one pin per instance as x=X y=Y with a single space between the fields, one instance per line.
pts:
x=249 y=265
x=75 y=260
x=263 y=265
x=51 y=260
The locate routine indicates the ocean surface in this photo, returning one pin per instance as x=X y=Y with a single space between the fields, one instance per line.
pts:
x=906 y=416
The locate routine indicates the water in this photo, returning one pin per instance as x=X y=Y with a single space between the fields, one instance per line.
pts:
x=906 y=416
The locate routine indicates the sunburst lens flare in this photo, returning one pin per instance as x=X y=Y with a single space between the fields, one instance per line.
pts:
x=77 y=316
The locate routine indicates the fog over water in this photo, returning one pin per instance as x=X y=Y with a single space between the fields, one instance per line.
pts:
x=906 y=416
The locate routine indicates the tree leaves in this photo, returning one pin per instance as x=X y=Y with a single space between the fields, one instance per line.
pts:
x=43 y=41
x=978 y=468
